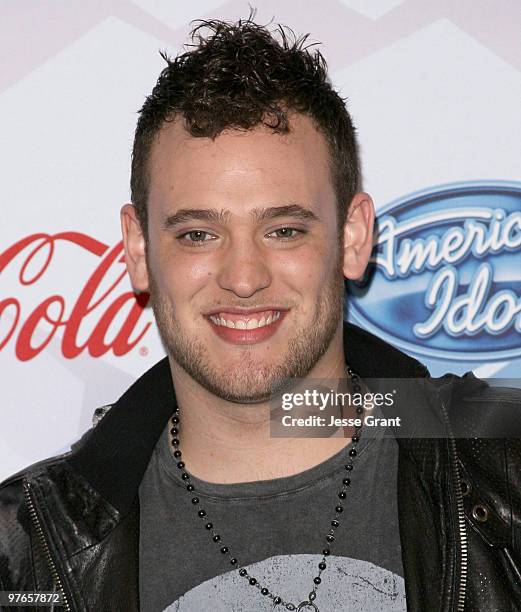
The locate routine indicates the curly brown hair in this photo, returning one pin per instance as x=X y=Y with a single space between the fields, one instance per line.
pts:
x=241 y=75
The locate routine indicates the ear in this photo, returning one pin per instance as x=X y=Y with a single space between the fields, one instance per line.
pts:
x=134 y=243
x=358 y=235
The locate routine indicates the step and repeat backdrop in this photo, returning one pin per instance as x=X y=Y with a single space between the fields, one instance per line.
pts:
x=434 y=89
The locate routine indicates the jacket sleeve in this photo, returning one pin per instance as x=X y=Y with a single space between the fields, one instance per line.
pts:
x=16 y=567
x=490 y=469
x=23 y=563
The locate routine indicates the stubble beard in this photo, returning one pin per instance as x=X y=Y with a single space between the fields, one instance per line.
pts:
x=254 y=381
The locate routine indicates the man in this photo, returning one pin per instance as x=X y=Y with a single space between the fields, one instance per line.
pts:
x=247 y=215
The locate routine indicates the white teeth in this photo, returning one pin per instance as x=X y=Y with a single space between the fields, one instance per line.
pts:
x=245 y=324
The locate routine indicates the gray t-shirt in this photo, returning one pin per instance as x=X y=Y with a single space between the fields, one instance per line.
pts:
x=276 y=529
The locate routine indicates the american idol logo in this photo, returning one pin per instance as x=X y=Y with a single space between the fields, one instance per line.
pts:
x=445 y=275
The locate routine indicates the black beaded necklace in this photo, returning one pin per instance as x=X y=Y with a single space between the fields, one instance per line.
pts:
x=308 y=604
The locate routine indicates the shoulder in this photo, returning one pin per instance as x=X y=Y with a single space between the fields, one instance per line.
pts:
x=15 y=481
x=17 y=535
x=487 y=425
x=14 y=503
x=480 y=410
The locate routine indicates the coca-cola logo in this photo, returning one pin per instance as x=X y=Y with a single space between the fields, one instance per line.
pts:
x=91 y=314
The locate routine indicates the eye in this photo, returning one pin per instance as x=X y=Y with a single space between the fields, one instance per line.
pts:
x=196 y=237
x=287 y=233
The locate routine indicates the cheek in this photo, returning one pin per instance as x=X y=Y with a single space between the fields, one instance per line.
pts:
x=192 y=272
x=181 y=273
x=306 y=270
x=300 y=276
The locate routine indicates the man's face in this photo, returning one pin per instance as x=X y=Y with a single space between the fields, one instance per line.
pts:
x=243 y=232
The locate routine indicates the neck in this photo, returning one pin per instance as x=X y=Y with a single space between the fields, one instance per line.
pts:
x=226 y=442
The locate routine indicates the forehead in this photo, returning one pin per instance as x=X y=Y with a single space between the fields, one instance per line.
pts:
x=253 y=167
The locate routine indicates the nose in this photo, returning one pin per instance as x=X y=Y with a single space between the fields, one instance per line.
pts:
x=244 y=268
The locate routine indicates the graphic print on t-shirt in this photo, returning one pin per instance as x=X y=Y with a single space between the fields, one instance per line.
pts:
x=347 y=585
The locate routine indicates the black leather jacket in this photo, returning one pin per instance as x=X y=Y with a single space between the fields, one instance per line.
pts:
x=71 y=523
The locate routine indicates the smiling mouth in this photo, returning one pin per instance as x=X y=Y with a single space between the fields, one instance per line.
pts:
x=246 y=328
x=252 y=321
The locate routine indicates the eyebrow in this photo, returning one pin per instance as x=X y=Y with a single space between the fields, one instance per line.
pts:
x=222 y=216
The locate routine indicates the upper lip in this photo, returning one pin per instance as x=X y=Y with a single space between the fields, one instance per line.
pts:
x=243 y=311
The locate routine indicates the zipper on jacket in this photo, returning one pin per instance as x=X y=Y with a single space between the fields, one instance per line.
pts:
x=460 y=605
x=45 y=547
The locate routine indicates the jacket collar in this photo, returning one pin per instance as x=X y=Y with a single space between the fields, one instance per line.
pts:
x=114 y=456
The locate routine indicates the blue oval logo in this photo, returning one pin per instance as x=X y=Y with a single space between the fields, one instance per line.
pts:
x=445 y=274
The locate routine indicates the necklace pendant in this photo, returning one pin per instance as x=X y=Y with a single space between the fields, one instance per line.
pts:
x=307 y=606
